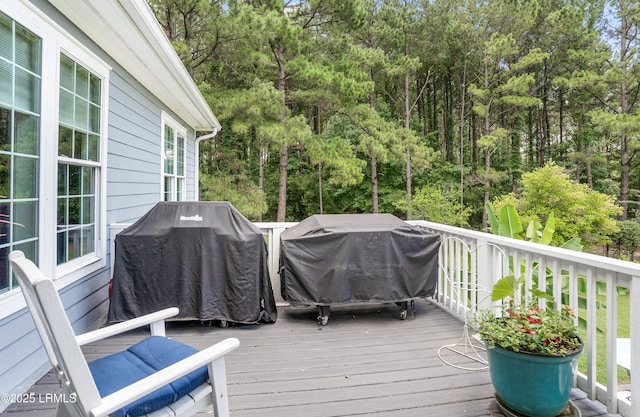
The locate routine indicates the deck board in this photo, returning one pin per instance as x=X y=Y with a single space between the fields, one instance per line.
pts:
x=366 y=361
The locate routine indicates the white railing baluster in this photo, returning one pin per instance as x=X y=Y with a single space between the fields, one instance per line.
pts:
x=591 y=349
x=634 y=294
x=463 y=290
x=612 y=334
x=473 y=273
x=573 y=291
x=528 y=275
x=556 y=271
x=542 y=280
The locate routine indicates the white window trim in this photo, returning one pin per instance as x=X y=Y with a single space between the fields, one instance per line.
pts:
x=55 y=40
x=166 y=119
x=80 y=267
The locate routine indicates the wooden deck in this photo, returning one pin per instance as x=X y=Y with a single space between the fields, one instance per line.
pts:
x=366 y=361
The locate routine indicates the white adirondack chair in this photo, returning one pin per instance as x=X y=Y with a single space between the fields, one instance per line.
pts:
x=82 y=382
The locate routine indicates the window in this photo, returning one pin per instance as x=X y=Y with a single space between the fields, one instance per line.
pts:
x=20 y=83
x=53 y=96
x=78 y=159
x=173 y=161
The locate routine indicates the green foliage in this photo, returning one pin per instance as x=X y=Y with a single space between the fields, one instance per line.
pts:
x=440 y=205
x=191 y=26
x=335 y=149
x=628 y=238
x=496 y=88
x=508 y=224
x=375 y=136
x=493 y=138
x=241 y=193
x=579 y=211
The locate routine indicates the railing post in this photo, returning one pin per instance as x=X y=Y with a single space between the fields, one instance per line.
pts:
x=487 y=270
x=634 y=292
x=274 y=261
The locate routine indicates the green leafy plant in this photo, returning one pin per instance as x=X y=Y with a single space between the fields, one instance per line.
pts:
x=528 y=326
x=510 y=225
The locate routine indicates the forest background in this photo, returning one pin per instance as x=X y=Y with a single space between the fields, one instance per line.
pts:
x=428 y=109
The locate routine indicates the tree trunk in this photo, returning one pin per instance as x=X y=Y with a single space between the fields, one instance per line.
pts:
x=282 y=184
x=625 y=160
x=262 y=161
x=407 y=126
x=473 y=130
x=487 y=188
x=542 y=155
x=587 y=153
x=579 y=159
x=284 y=149
x=462 y=125
x=421 y=107
x=446 y=122
x=320 y=188
x=561 y=114
x=531 y=145
x=545 y=117
x=374 y=185
x=487 y=155
x=624 y=176
x=434 y=110
x=374 y=166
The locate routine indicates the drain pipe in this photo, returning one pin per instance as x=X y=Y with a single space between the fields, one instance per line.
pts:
x=197 y=157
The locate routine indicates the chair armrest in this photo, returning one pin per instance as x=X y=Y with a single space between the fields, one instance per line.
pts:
x=156 y=320
x=138 y=389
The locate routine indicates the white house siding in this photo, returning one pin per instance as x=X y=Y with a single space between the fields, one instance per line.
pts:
x=133 y=187
x=134 y=165
x=133 y=177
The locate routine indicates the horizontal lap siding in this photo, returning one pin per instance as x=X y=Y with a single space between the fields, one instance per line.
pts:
x=133 y=177
x=22 y=345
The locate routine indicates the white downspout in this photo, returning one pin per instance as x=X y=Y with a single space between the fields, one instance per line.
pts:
x=197 y=157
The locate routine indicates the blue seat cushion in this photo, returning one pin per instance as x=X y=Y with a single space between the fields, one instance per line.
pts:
x=152 y=354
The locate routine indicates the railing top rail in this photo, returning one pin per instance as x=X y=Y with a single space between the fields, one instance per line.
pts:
x=275 y=225
x=595 y=261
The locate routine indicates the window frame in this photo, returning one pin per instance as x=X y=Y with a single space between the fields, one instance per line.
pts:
x=95 y=260
x=175 y=178
x=98 y=167
x=55 y=40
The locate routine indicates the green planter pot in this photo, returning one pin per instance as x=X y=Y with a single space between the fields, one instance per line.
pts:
x=532 y=384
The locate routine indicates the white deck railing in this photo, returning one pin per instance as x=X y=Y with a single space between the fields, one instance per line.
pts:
x=562 y=267
x=482 y=258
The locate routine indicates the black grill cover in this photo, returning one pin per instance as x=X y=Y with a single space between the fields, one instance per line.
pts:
x=344 y=258
x=205 y=258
